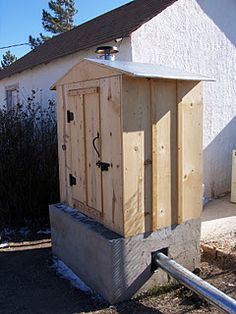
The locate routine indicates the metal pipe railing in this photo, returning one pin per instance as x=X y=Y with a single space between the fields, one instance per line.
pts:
x=195 y=283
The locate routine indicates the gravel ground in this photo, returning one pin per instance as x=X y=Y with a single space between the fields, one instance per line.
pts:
x=30 y=285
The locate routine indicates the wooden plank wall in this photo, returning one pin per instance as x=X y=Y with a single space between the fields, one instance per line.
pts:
x=111 y=152
x=150 y=133
x=164 y=153
x=189 y=98
x=137 y=155
x=61 y=143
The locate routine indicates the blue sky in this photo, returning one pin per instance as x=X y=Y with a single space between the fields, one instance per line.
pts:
x=21 y=18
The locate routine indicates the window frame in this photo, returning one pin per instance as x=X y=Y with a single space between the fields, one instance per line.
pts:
x=10 y=103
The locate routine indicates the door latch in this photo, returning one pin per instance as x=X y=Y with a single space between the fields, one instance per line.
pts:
x=100 y=164
x=103 y=165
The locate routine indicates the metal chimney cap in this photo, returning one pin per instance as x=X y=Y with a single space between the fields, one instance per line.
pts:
x=106 y=50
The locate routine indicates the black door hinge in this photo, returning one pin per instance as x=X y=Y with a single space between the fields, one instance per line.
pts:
x=72 y=180
x=70 y=116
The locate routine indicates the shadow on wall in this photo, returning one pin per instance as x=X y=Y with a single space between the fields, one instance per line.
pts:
x=223 y=14
x=217 y=161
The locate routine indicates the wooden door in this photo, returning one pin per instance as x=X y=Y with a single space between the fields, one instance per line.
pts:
x=92 y=131
x=82 y=126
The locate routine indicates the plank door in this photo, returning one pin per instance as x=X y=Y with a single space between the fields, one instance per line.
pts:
x=92 y=130
x=83 y=125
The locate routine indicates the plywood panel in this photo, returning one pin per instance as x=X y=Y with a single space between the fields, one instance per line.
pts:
x=164 y=153
x=92 y=128
x=110 y=98
x=189 y=96
x=136 y=155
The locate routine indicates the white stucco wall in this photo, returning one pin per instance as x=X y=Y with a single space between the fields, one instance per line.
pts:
x=42 y=77
x=200 y=36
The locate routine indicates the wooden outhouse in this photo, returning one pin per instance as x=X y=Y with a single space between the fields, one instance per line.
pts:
x=130 y=144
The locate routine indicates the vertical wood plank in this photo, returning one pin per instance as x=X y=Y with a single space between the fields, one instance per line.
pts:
x=136 y=155
x=67 y=141
x=77 y=142
x=60 y=109
x=110 y=99
x=92 y=127
x=189 y=95
x=164 y=153
x=233 y=178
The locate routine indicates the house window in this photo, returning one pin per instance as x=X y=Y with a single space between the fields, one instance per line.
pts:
x=12 y=96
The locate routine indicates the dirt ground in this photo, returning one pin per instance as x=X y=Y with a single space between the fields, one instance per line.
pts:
x=29 y=285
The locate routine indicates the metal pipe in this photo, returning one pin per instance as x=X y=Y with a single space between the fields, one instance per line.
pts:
x=194 y=283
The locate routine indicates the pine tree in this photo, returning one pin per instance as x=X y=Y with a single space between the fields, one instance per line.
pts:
x=62 y=18
x=35 y=42
x=57 y=22
x=7 y=59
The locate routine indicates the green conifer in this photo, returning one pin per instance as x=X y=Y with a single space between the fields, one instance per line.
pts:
x=58 y=21
x=7 y=59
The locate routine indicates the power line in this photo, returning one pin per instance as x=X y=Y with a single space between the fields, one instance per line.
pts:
x=16 y=45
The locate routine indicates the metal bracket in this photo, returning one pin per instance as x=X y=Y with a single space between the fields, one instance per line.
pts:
x=103 y=165
x=72 y=180
x=70 y=116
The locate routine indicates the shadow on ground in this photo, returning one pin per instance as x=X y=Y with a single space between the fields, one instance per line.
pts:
x=29 y=285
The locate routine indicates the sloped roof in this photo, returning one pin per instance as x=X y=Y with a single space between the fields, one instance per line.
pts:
x=134 y=69
x=150 y=70
x=117 y=23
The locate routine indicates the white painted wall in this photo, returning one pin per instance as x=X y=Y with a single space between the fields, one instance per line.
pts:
x=42 y=77
x=200 y=36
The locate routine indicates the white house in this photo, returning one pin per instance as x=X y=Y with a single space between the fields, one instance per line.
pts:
x=194 y=35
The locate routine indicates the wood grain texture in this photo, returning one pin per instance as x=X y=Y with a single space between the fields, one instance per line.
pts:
x=111 y=152
x=84 y=71
x=68 y=144
x=78 y=153
x=82 y=91
x=92 y=128
x=60 y=108
x=233 y=178
x=189 y=95
x=164 y=153
x=136 y=155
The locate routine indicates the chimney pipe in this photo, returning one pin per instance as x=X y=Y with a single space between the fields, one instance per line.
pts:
x=107 y=52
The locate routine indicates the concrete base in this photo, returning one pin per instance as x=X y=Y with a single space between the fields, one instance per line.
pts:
x=115 y=267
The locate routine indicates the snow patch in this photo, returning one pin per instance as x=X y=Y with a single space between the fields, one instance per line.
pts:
x=65 y=272
x=4 y=245
x=46 y=231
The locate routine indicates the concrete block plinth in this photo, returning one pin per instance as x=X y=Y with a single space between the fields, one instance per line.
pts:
x=119 y=268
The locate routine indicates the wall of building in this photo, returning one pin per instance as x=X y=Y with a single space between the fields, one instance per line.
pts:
x=42 y=77
x=199 y=36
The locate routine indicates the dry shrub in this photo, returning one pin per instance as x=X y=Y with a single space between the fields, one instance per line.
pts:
x=28 y=163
